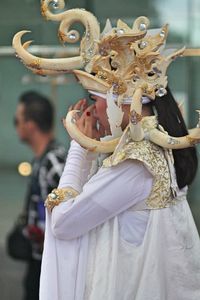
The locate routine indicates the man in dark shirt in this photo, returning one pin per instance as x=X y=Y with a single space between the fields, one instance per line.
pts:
x=34 y=120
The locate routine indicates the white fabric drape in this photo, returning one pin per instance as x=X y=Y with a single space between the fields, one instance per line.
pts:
x=98 y=247
x=164 y=266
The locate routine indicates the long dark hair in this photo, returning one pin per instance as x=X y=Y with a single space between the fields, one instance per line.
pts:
x=170 y=117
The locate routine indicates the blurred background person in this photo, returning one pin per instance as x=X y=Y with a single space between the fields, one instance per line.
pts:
x=34 y=120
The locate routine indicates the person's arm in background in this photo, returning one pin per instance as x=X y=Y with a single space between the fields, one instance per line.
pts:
x=51 y=170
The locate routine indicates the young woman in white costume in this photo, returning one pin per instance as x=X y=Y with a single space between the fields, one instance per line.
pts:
x=118 y=227
x=103 y=243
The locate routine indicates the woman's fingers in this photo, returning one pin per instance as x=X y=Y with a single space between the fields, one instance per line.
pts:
x=80 y=105
x=93 y=128
x=98 y=132
x=86 y=119
x=70 y=108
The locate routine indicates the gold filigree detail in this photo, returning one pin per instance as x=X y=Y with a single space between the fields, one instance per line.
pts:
x=135 y=57
x=118 y=42
x=61 y=36
x=153 y=158
x=135 y=118
x=119 y=86
x=35 y=64
x=44 y=9
x=59 y=195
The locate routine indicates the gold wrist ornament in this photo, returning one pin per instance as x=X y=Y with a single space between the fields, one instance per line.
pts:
x=59 y=195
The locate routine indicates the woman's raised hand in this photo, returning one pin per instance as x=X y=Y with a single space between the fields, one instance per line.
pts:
x=86 y=120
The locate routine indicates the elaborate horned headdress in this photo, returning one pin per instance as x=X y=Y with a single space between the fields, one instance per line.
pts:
x=121 y=63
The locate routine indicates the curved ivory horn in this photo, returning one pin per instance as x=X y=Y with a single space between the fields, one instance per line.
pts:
x=88 y=45
x=137 y=132
x=37 y=63
x=191 y=52
x=84 y=141
x=67 y=18
x=43 y=72
x=154 y=135
x=40 y=71
x=169 y=142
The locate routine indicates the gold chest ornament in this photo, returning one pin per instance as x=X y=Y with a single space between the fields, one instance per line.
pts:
x=154 y=159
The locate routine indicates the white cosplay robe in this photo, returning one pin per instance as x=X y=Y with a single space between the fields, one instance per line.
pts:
x=103 y=246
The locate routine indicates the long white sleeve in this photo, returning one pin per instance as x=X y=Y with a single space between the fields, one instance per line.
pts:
x=106 y=194
x=77 y=167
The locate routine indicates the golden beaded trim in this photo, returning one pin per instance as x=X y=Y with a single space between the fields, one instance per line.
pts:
x=59 y=195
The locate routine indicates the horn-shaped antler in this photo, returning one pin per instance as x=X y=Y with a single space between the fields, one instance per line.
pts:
x=191 y=52
x=83 y=140
x=44 y=64
x=88 y=45
x=151 y=132
x=169 y=142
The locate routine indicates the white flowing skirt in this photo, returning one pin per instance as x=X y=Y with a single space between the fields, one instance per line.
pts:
x=164 y=266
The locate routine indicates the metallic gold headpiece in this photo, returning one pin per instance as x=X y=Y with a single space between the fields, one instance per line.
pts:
x=129 y=61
